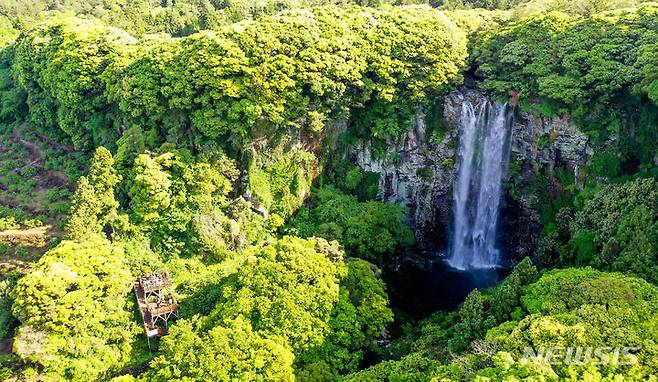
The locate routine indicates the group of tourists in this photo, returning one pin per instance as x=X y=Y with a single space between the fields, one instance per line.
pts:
x=164 y=301
x=155 y=280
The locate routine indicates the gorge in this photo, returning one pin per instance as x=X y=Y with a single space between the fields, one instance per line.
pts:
x=336 y=190
x=478 y=128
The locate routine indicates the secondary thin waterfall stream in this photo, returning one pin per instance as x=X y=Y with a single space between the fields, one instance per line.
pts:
x=483 y=156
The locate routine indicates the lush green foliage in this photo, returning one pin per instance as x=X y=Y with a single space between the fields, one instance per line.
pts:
x=94 y=203
x=223 y=156
x=293 y=300
x=59 y=66
x=337 y=216
x=583 y=307
x=183 y=17
x=327 y=63
x=359 y=317
x=571 y=307
x=7 y=321
x=168 y=192
x=598 y=69
x=546 y=56
x=287 y=289
x=573 y=7
x=75 y=323
x=616 y=229
x=282 y=181
x=234 y=352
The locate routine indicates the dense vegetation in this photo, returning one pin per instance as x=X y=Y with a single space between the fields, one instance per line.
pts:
x=292 y=71
x=600 y=70
x=212 y=139
x=572 y=307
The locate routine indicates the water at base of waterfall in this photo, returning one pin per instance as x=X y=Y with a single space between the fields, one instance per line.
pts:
x=420 y=290
x=483 y=158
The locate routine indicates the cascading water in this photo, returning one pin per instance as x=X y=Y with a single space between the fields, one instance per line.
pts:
x=483 y=155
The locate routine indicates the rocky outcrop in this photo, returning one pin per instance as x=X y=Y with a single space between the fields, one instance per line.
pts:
x=550 y=141
x=418 y=172
x=419 y=169
x=539 y=145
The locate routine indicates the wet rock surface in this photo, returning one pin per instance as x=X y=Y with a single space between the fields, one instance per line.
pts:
x=419 y=170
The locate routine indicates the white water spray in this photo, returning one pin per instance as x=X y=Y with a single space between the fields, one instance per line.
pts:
x=483 y=156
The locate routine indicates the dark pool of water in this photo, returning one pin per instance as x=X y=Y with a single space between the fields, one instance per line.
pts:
x=419 y=291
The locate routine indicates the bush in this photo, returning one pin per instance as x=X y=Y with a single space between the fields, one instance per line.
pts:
x=617 y=229
x=337 y=216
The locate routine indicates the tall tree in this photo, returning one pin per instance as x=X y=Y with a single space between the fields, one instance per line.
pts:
x=94 y=203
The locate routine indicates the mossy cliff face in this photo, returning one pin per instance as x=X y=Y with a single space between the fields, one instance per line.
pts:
x=280 y=173
x=419 y=170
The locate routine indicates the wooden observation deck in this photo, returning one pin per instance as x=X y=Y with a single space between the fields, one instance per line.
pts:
x=156 y=302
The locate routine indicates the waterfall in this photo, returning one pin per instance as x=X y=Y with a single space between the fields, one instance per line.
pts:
x=483 y=157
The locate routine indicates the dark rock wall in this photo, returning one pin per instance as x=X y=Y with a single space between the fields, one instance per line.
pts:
x=419 y=170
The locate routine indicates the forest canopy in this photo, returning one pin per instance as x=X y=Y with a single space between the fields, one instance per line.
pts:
x=270 y=158
x=293 y=70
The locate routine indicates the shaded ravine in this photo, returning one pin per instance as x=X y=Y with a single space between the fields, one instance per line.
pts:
x=473 y=258
x=420 y=291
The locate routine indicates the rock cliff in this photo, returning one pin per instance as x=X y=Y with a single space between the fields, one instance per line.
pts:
x=418 y=170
